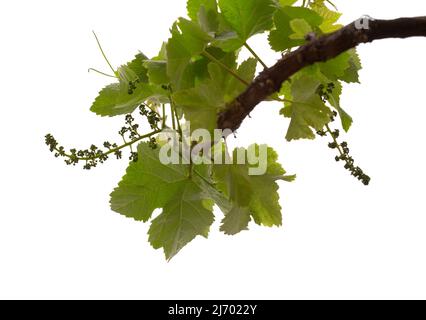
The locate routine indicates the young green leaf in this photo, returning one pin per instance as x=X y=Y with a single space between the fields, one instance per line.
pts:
x=307 y=111
x=187 y=41
x=336 y=68
x=281 y=37
x=252 y=196
x=351 y=73
x=330 y=17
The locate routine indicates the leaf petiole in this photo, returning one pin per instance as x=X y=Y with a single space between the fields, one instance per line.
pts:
x=224 y=66
x=177 y=120
x=255 y=55
x=163 y=125
x=173 y=117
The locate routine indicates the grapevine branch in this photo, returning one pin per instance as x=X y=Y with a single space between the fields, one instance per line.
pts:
x=317 y=50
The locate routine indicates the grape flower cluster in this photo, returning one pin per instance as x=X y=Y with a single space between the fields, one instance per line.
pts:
x=94 y=155
x=344 y=153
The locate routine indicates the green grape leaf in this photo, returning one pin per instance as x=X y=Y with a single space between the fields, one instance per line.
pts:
x=115 y=99
x=351 y=73
x=248 y=17
x=315 y=71
x=188 y=40
x=186 y=202
x=125 y=75
x=334 y=100
x=233 y=86
x=307 y=111
x=217 y=75
x=157 y=71
x=178 y=59
x=157 y=67
x=201 y=104
x=193 y=38
x=344 y=67
x=280 y=38
x=265 y=206
x=336 y=68
x=147 y=185
x=252 y=196
x=194 y=72
x=185 y=216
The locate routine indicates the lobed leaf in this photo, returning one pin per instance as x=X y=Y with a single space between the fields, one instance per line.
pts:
x=185 y=202
x=307 y=111
x=188 y=40
x=252 y=196
x=115 y=99
x=287 y=18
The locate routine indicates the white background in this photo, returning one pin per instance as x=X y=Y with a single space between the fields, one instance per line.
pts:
x=340 y=239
